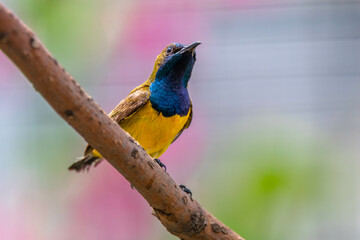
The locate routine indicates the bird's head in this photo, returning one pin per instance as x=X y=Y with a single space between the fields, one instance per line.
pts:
x=175 y=63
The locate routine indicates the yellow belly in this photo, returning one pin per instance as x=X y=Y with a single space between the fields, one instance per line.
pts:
x=152 y=130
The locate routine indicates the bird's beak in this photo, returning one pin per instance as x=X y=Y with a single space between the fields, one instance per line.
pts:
x=190 y=48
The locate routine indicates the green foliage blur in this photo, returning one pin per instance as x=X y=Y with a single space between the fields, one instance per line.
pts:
x=273 y=147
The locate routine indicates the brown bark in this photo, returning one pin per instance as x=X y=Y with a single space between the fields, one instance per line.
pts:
x=182 y=216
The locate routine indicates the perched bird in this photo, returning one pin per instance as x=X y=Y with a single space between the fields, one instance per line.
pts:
x=156 y=112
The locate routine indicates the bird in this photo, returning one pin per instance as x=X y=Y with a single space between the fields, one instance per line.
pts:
x=156 y=112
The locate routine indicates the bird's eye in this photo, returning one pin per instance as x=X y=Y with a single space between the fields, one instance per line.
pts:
x=168 y=50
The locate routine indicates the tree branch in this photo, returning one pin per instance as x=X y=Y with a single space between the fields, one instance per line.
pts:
x=182 y=216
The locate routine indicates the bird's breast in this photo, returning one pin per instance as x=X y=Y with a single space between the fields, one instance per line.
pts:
x=152 y=129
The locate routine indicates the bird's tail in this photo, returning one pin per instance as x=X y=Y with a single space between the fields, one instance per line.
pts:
x=85 y=162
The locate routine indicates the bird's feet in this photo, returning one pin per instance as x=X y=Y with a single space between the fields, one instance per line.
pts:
x=185 y=189
x=160 y=164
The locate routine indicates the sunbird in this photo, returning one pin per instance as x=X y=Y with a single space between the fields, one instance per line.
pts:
x=159 y=110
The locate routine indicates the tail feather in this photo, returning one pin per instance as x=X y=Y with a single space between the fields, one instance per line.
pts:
x=85 y=163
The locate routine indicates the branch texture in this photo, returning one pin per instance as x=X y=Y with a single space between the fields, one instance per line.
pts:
x=182 y=216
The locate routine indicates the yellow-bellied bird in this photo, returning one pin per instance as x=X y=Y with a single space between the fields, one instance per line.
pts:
x=156 y=112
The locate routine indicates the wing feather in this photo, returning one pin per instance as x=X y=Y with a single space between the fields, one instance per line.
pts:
x=127 y=107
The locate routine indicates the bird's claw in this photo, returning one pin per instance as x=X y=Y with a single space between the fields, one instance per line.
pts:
x=160 y=164
x=185 y=189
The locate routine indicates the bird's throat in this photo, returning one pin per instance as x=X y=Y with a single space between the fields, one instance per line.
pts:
x=169 y=98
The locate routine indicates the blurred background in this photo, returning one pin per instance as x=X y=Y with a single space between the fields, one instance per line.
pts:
x=273 y=149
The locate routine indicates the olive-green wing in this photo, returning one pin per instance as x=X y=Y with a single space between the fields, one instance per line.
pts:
x=187 y=124
x=128 y=106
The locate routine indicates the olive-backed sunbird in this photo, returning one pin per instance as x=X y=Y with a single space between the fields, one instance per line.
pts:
x=156 y=112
